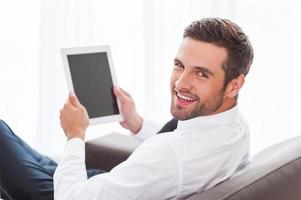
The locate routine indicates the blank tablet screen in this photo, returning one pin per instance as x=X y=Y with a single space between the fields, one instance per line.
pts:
x=93 y=83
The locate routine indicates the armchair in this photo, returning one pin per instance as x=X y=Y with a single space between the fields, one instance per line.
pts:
x=273 y=174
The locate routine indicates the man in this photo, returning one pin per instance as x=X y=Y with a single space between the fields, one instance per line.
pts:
x=205 y=143
x=211 y=140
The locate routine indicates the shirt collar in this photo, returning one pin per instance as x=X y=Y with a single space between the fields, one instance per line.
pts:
x=225 y=117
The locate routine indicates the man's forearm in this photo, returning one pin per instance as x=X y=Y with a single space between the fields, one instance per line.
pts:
x=71 y=172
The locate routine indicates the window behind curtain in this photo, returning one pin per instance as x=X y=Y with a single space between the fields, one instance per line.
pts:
x=144 y=37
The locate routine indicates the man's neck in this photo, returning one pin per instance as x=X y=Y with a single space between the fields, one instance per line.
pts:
x=227 y=105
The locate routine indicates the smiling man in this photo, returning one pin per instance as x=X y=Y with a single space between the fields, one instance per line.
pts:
x=197 y=82
x=206 y=142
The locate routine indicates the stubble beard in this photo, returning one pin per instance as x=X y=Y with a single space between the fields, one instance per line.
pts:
x=201 y=109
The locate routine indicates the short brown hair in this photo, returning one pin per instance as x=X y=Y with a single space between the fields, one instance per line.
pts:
x=225 y=33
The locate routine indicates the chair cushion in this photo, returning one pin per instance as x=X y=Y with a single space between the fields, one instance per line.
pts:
x=110 y=150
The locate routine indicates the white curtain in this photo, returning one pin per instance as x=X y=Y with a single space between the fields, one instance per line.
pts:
x=144 y=36
x=271 y=98
x=19 y=53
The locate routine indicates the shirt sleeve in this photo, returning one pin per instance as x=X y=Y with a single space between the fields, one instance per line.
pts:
x=71 y=171
x=149 y=173
x=147 y=130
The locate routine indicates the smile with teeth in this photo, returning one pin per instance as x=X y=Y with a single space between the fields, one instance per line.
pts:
x=185 y=98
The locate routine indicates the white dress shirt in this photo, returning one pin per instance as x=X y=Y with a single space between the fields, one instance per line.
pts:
x=200 y=153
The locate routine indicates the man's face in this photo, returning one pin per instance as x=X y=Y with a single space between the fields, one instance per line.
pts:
x=197 y=81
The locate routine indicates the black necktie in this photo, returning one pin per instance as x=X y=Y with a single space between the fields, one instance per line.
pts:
x=169 y=126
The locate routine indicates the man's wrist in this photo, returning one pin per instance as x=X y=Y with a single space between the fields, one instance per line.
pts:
x=72 y=137
x=138 y=126
x=76 y=134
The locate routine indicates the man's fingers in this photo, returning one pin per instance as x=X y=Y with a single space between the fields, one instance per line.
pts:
x=125 y=92
x=73 y=99
x=62 y=121
x=122 y=96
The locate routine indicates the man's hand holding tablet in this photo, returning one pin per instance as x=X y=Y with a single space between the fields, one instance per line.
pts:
x=90 y=76
x=132 y=120
x=74 y=117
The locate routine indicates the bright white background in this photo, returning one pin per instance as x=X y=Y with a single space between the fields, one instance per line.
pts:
x=144 y=36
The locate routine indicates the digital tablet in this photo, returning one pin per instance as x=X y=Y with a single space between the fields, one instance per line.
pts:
x=90 y=75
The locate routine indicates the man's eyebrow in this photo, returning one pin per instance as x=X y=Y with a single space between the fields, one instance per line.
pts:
x=204 y=69
x=177 y=60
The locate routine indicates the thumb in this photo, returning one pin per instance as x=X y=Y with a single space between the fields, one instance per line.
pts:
x=120 y=94
x=73 y=99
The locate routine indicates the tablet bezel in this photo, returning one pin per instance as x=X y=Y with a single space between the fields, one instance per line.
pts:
x=86 y=50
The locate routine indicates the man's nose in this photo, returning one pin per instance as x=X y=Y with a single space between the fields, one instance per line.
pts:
x=184 y=81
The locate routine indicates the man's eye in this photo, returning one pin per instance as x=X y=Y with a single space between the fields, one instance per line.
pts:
x=202 y=74
x=178 y=65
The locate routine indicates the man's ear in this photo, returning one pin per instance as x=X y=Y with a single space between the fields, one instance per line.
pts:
x=234 y=86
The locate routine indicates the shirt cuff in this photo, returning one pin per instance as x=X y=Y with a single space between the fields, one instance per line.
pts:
x=147 y=130
x=75 y=147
